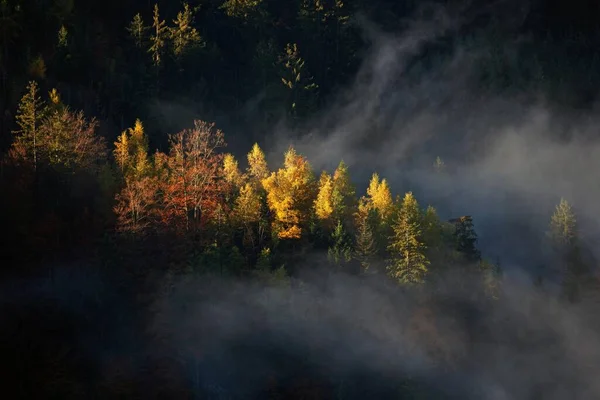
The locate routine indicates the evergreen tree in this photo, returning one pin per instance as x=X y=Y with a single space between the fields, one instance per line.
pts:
x=340 y=251
x=408 y=263
x=466 y=238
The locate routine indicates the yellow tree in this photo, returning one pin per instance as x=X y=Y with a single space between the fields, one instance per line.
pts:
x=183 y=34
x=257 y=164
x=290 y=195
x=131 y=151
x=323 y=202
x=158 y=37
x=380 y=196
x=136 y=203
x=343 y=194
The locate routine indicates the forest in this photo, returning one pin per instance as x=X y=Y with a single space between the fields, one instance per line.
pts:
x=149 y=253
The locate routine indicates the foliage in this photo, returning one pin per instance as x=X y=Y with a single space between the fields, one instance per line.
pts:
x=409 y=263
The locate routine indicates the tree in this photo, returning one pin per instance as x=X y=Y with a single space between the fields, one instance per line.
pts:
x=299 y=83
x=366 y=247
x=343 y=196
x=30 y=114
x=131 y=151
x=193 y=187
x=323 y=202
x=241 y=8
x=158 y=37
x=408 y=264
x=183 y=35
x=563 y=234
x=135 y=205
x=70 y=141
x=563 y=225
x=231 y=172
x=380 y=196
x=138 y=30
x=290 y=195
x=466 y=238
x=248 y=213
x=341 y=249
x=257 y=165
x=439 y=166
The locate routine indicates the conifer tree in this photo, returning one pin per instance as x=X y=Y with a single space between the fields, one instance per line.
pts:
x=323 y=202
x=290 y=195
x=466 y=238
x=231 y=171
x=138 y=30
x=563 y=225
x=343 y=195
x=257 y=164
x=439 y=166
x=299 y=83
x=340 y=251
x=240 y=8
x=366 y=247
x=158 y=38
x=183 y=35
x=380 y=196
x=564 y=239
x=408 y=263
x=30 y=114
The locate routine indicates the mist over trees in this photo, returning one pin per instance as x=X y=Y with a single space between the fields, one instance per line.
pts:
x=172 y=259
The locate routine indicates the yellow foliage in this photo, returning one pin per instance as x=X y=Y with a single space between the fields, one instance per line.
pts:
x=131 y=151
x=247 y=206
x=380 y=195
x=231 y=171
x=257 y=165
x=290 y=194
x=323 y=206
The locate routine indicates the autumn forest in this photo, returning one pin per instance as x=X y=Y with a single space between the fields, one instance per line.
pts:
x=149 y=254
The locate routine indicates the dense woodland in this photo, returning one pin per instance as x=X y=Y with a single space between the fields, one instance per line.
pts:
x=91 y=180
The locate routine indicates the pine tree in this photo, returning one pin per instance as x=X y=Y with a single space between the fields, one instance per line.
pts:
x=29 y=117
x=138 y=30
x=158 y=38
x=183 y=35
x=408 y=264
